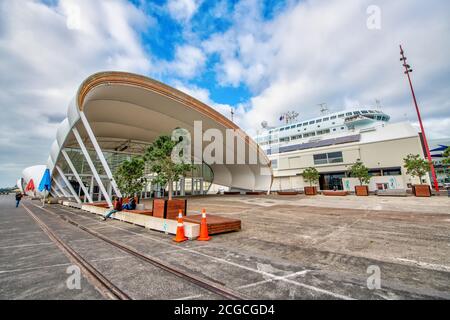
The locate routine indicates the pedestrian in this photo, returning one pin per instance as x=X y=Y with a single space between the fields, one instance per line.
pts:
x=117 y=207
x=19 y=196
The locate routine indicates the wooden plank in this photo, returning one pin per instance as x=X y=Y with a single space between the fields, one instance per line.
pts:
x=216 y=224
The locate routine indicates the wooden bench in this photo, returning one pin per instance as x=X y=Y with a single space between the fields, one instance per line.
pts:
x=144 y=212
x=216 y=224
x=334 y=193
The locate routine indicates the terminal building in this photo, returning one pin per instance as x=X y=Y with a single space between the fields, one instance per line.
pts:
x=117 y=115
x=333 y=142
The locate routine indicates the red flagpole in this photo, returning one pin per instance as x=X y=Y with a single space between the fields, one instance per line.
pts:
x=425 y=142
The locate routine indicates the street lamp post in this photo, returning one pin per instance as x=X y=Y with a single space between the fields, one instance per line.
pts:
x=408 y=70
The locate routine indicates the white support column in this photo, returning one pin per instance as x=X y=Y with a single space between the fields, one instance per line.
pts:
x=99 y=152
x=64 y=192
x=68 y=184
x=56 y=189
x=91 y=165
x=77 y=176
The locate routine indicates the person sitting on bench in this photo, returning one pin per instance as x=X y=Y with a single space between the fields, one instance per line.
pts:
x=117 y=207
x=131 y=205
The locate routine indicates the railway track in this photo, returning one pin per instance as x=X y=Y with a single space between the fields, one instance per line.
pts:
x=107 y=287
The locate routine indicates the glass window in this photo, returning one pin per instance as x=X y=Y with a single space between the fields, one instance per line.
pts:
x=326 y=119
x=341 y=115
x=299 y=125
x=285 y=139
x=364 y=112
x=282 y=129
x=312 y=122
x=333 y=117
x=305 y=123
x=319 y=120
x=274 y=163
x=320 y=158
x=357 y=112
x=392 y=172
x=349 y=113
x=335 y=157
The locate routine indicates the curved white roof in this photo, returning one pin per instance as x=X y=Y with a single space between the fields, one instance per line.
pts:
x=123 y=107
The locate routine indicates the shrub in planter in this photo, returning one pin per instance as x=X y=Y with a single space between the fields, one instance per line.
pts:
x=167 y=161
x=310 y=175
x=362 y=190
x=416 y=166
x=310 y=191
x=129 y=177
x=360 y=171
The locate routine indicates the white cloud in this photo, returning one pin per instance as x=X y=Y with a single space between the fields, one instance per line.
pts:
x=188 y=61
x=322 y=51
x=183 y=10
x=45 y=53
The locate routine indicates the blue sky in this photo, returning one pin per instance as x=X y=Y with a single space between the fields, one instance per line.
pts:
x=260 y=58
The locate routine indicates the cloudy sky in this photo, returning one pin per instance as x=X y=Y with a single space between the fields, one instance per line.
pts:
x=259 y=57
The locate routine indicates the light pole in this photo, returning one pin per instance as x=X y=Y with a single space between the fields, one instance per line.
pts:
x=408 y=70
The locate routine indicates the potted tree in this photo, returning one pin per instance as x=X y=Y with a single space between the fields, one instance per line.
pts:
x=360 y=171
x=418 y=167
x=310 y=175
x=130 y=177
x=159 y=158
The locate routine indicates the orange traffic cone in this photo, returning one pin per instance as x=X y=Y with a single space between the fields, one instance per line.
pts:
x=204 y=236
x=180 y=229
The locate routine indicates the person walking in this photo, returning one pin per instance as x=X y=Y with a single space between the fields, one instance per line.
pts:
x=18 y=198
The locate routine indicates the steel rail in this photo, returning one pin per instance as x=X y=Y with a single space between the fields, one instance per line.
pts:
x=201 y=282
x=106 y=287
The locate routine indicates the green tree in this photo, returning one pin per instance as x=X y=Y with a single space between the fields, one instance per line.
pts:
x=446 y=156
x=360 y=171
x=416 y=166
x=130 y=176
x=311 y=175
x=159 y=157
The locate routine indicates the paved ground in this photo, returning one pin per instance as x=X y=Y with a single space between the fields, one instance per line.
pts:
x=290 y=248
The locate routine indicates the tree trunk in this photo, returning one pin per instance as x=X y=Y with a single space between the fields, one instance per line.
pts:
x=170 y=189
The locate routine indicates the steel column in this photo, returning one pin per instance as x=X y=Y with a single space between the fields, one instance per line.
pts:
x=100 y=155
x=64 y=192
x=68 y=184
x=91 y=165
x=77 y=176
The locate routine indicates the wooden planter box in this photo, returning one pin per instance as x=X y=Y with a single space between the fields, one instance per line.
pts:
x=421 y=190
x=232 y=193
x=334 y=193
x=310 y=191
x=168 y=209
x=362 y=191
x=287 y=193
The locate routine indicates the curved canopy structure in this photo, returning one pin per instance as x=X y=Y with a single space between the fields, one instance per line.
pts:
x=115 y=115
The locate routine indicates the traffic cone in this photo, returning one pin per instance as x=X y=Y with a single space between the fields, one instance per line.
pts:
x=204 y=236
x=180 y=229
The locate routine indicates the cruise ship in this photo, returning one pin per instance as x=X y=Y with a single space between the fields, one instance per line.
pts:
x=333 y=142
x=334 y=128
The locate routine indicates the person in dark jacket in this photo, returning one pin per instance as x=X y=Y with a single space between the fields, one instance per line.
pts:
x=117 y=207
x=18 y=198
x=131 y=205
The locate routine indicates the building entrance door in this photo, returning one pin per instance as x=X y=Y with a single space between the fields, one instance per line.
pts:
x=331 y=181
